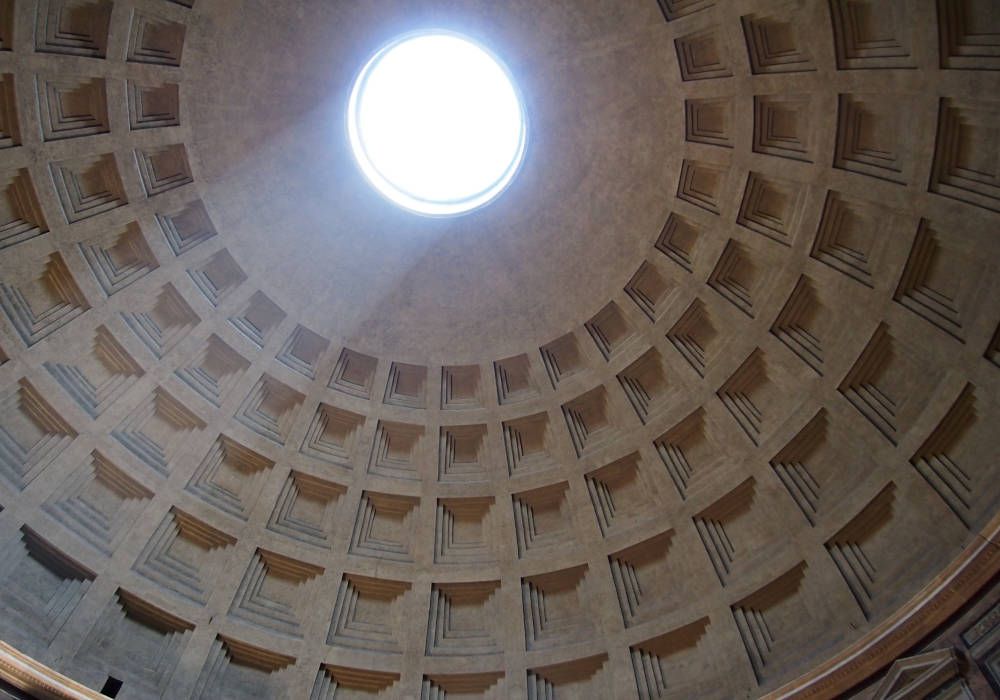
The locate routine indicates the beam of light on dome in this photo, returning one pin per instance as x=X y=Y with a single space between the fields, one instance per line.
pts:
x=436 y=124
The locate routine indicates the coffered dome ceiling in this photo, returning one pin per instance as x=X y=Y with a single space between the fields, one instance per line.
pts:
x=702 y=406
x=555 y=248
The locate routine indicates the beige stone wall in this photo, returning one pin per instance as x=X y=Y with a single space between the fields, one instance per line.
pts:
x=716 y=456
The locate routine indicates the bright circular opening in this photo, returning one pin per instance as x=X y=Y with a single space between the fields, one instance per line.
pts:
x=436 y=124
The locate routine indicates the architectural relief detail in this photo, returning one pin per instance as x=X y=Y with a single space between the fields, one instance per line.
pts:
x=43 y=298
x=88 y=186
x=23 y=218
x=702 y=55
x=704 y=406
x=99 y=503
x=41 y=588
x=162 y=321
x=73 y=27
x=97 y=379
x=462 y=617
x=119 y=259
x=179 y=552
x=32 y=434
x=365 y=613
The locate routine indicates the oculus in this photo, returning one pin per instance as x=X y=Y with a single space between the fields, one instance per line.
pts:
x=436 y=124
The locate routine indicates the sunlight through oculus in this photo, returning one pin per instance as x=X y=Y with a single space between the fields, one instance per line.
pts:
x=436 y=124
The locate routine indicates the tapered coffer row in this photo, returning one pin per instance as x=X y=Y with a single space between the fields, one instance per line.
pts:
x=866 y=34
x=153 y=430
x=935 y=280
x=92 y=185
x=144 y=642
x=459 y=621
x=116 y=259
x=846 y=239
x=82 y=28
x=101 y=499
x=870 y=140
x=229 y=475
x=336 y=436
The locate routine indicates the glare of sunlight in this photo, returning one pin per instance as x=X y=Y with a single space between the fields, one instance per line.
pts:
x=436 y=124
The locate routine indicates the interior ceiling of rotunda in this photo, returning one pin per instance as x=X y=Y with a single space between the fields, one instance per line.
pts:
x=704 y=404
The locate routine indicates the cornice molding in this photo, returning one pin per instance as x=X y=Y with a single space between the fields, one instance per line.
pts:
x=978 y=563
x=23 y=672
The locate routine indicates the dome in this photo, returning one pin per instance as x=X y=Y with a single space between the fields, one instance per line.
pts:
x=693 y=399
